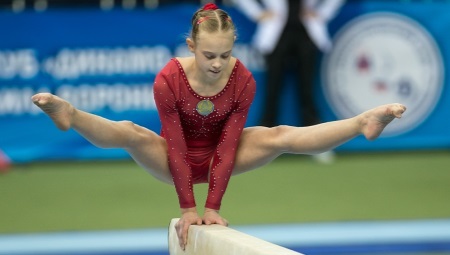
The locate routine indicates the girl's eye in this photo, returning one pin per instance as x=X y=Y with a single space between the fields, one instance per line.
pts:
x=209 y=56
x=225 y=56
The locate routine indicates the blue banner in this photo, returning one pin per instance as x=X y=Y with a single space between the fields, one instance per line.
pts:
x=104 y=62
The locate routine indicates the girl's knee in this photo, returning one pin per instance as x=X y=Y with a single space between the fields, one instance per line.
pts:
x=279 y=131
x=126 y=123
x=129 y=127
x=280 y=137
x=135 y=133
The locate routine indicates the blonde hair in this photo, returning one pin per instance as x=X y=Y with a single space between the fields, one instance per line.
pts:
x=211 y=20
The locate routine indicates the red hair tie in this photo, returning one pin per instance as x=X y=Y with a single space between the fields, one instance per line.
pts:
x=210 y=7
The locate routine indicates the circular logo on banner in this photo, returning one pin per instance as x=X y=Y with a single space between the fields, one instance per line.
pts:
x=381 y=58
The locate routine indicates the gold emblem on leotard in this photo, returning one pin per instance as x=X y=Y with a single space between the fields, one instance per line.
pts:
x=205 y=107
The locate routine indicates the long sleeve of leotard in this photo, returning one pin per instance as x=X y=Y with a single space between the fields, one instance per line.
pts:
x=224 y=158
x=176 y=145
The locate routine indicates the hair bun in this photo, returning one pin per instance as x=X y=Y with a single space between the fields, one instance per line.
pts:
x=210 y=7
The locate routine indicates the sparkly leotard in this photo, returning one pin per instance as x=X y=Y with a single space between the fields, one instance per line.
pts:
x=196 y=142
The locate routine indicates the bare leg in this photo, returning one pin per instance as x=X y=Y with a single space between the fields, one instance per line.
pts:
x=146 y=147
x=261 y=145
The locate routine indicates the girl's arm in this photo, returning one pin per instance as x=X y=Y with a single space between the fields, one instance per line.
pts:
x=172 y=131
x=224 y=158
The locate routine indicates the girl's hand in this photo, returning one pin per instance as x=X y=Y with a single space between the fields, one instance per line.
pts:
x=212 y=217
x=189 y=217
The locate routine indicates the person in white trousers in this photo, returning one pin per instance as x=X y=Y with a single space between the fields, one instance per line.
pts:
x=290 y=34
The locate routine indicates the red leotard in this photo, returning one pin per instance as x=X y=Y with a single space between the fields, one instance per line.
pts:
x=196 y=142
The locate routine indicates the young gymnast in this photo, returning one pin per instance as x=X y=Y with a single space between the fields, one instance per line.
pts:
x=203 y=103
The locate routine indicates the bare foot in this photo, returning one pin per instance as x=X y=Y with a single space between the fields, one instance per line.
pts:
x=57 y=109
x=375 y=120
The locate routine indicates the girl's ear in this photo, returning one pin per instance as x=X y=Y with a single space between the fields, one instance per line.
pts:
x=191 y=45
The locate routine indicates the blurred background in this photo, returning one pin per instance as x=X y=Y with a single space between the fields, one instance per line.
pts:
x=61 y=195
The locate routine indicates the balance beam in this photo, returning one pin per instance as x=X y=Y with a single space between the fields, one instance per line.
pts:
x=219 y=240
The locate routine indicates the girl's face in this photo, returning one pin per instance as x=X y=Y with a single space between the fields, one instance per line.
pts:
x=212 y=52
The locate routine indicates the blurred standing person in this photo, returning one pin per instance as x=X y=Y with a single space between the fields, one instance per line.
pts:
x=290 y=34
